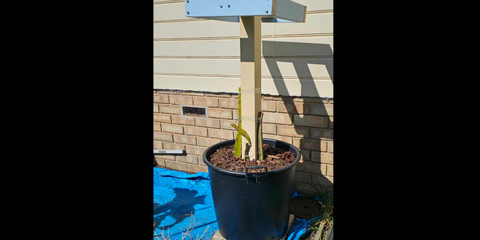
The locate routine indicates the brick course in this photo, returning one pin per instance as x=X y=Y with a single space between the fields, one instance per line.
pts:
x=228 y=103
x=157 y=144
x=160 y=98
x=305 y=122
x=291 y=107
x=185 y=139
x=293 y=131
x=169 y=145
x=195 y=150
x=165 y=118
x=176 y=165
x=205 y=101
x=183 y=120
x=279 y=118
x=218 y=133
x=191 y=159
x=171 y=128
x=269 y=128
x=157 y=127
x=321 y=109
x=181 y=100
x=166 y=137
x=170 y=109
x=208 y=122
x=207 y=142
x=311 y=121
x=268 y=106
x=220 y=113
x=227 y=124
x=197 y=131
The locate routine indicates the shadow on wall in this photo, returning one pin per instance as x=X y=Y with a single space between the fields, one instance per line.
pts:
x=307 y=53
x=300 y=63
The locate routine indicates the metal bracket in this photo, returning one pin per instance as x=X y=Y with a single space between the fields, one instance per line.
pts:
x=168 y=152
x=256 y=175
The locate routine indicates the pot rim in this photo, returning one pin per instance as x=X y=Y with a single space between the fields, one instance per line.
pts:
x=242 y=174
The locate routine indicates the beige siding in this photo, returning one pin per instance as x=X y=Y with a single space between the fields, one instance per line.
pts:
x=203 y=55
x=322 y=45
x=231 y=68
x=319 y=23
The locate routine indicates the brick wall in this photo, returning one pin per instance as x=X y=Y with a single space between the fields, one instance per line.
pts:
x=305 y=122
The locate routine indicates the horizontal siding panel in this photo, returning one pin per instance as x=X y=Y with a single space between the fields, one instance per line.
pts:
x=301 y=46
x=166 y=1
x=288 y=87
x=227 y=67
x=202 y=29
x=310 y=68
x=316 y=4
x=295 y=87
x=172 y=11
x=197 y=48
x=316 y=23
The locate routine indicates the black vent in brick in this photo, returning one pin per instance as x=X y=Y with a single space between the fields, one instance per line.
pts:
x=194 y=111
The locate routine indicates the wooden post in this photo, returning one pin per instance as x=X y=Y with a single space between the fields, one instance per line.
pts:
x=250 y=63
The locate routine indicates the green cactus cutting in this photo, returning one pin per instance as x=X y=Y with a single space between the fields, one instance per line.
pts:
x=246 y=136
x=260 y=143
x=241 y=132
x=238 y=140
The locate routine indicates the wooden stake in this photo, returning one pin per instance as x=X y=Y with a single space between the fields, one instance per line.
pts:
x=250 y=62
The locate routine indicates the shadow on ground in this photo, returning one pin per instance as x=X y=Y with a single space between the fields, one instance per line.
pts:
x=181 y=207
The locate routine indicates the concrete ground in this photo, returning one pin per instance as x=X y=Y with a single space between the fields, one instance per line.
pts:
x=219 y=236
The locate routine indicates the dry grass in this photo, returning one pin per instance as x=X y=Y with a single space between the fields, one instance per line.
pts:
x=186 y=233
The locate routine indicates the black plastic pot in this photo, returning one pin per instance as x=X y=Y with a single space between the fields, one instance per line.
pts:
x=252 y=206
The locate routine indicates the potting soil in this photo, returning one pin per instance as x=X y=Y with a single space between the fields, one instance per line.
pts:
x=274 y=158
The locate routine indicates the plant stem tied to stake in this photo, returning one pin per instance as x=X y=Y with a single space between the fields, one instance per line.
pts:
x=238 y=139
x=260 y=143
x=246 y=136
x=241 y=132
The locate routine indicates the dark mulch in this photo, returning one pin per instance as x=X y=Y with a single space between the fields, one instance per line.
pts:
x=274 y=158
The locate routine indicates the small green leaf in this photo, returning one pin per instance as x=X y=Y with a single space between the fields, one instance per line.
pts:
x=241 y=131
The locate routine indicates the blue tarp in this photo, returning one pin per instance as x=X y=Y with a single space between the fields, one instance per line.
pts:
x=178 y=195
x=300 y=226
